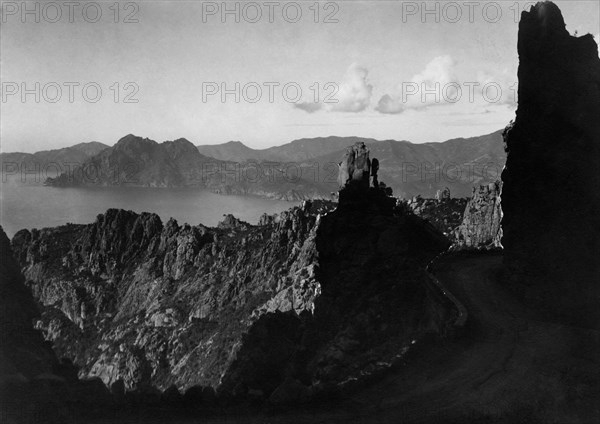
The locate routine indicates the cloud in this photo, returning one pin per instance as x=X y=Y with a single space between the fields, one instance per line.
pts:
x=438 y=84
x=439 y=70
x=308 y=107
x=389 y=105
x=352 y=94
x=435 y=84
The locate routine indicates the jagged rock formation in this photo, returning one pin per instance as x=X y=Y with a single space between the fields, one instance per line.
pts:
x=480 y=228
x=131 y=298
x=445 y=213
x=551 y=195
x=355 y=166
x=317 y=299
x=373 y=303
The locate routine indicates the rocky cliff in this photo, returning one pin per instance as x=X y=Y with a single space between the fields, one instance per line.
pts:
x=131 y=298
x=551 y=195
x=480 y=227
x=444 y=213
x=158 y=304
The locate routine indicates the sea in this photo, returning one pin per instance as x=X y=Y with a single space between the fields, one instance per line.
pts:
x=33 y=205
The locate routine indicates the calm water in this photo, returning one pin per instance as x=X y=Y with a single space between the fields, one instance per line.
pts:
x=35 y=206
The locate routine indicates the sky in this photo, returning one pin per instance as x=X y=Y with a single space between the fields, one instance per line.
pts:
x=417 y=71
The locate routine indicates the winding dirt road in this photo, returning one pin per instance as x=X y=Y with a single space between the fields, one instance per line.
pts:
x=507 y=366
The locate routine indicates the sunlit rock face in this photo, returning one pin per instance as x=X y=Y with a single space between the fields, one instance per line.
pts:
x=355 y=166
x=131 y=298
x=480 y=227
x=551 y=193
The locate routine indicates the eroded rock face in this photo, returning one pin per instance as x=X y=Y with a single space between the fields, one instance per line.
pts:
x=131 y=298
x=551 y=194
x=355 y=167
x=307 y=297
x=480 y=227
x=445 y=214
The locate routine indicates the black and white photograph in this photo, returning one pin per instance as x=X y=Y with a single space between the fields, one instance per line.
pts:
x=310 y=211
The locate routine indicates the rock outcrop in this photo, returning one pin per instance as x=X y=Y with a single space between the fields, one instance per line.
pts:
x=130 y=298
x=551 y=194
x=355 y=166
x=480 y=227
x=373 y=304
x=444 y=213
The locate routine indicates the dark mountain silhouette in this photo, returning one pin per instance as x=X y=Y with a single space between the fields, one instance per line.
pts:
x=52 y=161
x=141 y=162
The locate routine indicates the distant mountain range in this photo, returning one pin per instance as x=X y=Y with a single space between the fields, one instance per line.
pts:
x=141 y=162
x=408 y=168
x=77 y=153
x=296 y=151
x=303 y=168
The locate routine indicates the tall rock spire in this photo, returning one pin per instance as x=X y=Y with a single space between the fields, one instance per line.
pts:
x=551 y=192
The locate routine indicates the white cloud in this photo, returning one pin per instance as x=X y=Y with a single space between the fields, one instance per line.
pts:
x=308 y=107
x=435 y=84
x=388 y=104
x=353 y=94
x=438 y=84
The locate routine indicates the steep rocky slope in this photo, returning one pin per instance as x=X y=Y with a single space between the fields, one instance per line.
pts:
x=445 y=214
x=35 y=386
x=24 y=351
x=480 y=227
x=551 y=195
x=130 y=298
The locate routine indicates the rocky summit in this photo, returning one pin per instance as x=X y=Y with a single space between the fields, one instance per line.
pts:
x=550 y=195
